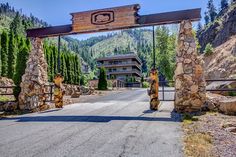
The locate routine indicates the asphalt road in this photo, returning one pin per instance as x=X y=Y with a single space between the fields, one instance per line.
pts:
x=118 y=125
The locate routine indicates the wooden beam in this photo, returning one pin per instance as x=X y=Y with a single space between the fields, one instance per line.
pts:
x=170 y=17
x=144 y=20
x=49 y=31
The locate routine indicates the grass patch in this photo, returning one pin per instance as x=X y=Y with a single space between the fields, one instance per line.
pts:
x=198 y=145
x=6 y=98
x=188 y=117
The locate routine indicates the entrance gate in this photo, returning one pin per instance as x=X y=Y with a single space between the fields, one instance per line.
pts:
x=188 y=68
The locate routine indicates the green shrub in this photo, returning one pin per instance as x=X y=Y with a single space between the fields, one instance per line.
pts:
x=145 y=84
x=208 y=49
x=102 y=82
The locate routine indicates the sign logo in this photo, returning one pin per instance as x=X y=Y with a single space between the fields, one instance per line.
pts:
x=102 y=17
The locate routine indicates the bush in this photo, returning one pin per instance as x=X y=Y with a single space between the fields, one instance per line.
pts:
x=102 y=82
x=145 y=84
x=208 y=49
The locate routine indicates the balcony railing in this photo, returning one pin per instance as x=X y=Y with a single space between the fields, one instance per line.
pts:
x=120 y=64
x=124 y=71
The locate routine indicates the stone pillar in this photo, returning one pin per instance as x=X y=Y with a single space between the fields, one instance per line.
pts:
x=190 y=83
x=33 y=83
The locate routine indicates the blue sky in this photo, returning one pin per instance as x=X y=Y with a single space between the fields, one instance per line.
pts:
x=57 y=12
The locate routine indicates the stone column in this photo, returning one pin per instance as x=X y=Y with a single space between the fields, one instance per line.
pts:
x=33 y=83
x=189 y=75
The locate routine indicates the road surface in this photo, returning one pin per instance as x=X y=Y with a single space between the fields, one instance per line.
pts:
x=116 y=125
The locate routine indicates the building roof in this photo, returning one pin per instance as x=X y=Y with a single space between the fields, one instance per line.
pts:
x=117 y=57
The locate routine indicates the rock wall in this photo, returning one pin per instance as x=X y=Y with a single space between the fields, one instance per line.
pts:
x=221 y=30
x=222 y=62
x=33 y=83
x=189 y=75
x=6 y=82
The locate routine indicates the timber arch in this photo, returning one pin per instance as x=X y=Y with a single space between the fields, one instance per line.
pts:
x=189 y=80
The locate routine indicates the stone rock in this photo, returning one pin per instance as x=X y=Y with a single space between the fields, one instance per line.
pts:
x=228 y=106
x=194 y=89
x=179 y=69
x=197 y=102
x=188 y=69
x=190 y=50
x=76 y=95
x=198 y=71
x=178 y=84
x=10 y=106
x=187 y=61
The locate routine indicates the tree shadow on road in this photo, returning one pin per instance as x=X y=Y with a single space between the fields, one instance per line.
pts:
x=88 y=118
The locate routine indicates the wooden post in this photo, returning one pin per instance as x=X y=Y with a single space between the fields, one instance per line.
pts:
x=58 y=91
x=153 y=92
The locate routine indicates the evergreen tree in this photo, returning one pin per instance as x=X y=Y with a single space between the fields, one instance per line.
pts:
x=63 y=67
x=199 y=27
x=211 y=10
x=224 y=4
x=4 y=52
x=55 y=56
x=102 y=82
x=206 y=18
x=165 y=51
x=16 y=25
x=52 y=62
x=11 y=55
x=22 y=57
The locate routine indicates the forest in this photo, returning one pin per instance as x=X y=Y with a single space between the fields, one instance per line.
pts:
x=15 y=48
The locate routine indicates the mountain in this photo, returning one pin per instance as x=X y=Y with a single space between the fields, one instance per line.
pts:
x=137 y=41
x=221 y=34
x=7 y=14
x=219 y=31
x=222 y=62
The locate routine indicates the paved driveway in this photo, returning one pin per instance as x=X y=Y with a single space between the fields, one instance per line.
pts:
x=117 y=125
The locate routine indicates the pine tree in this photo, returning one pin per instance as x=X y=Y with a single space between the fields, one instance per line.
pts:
x=199 y=27
x=165 y=52
x=16 y=25
x=211 y=10
x=52 y=63
x=224 y=4
x=206 y=18
x=55 y=56
x=22 y=57
x=4 y=52
x=102 y=82
x=63 y=67
x=11 y=55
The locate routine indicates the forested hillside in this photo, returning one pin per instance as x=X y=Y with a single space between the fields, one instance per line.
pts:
x=15 y=48
x=137 y=41
x=218 y=41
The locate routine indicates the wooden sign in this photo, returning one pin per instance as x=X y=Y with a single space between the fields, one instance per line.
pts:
x=105 y=19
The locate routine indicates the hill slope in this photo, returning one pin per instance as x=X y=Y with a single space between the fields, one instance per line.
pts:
x=220 y=30
x=222 y=63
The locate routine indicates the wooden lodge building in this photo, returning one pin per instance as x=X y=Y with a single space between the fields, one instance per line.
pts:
x=126 y=68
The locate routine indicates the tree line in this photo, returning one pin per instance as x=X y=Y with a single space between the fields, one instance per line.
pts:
x=70 y=65
x=15 y=49
x=211 y=14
